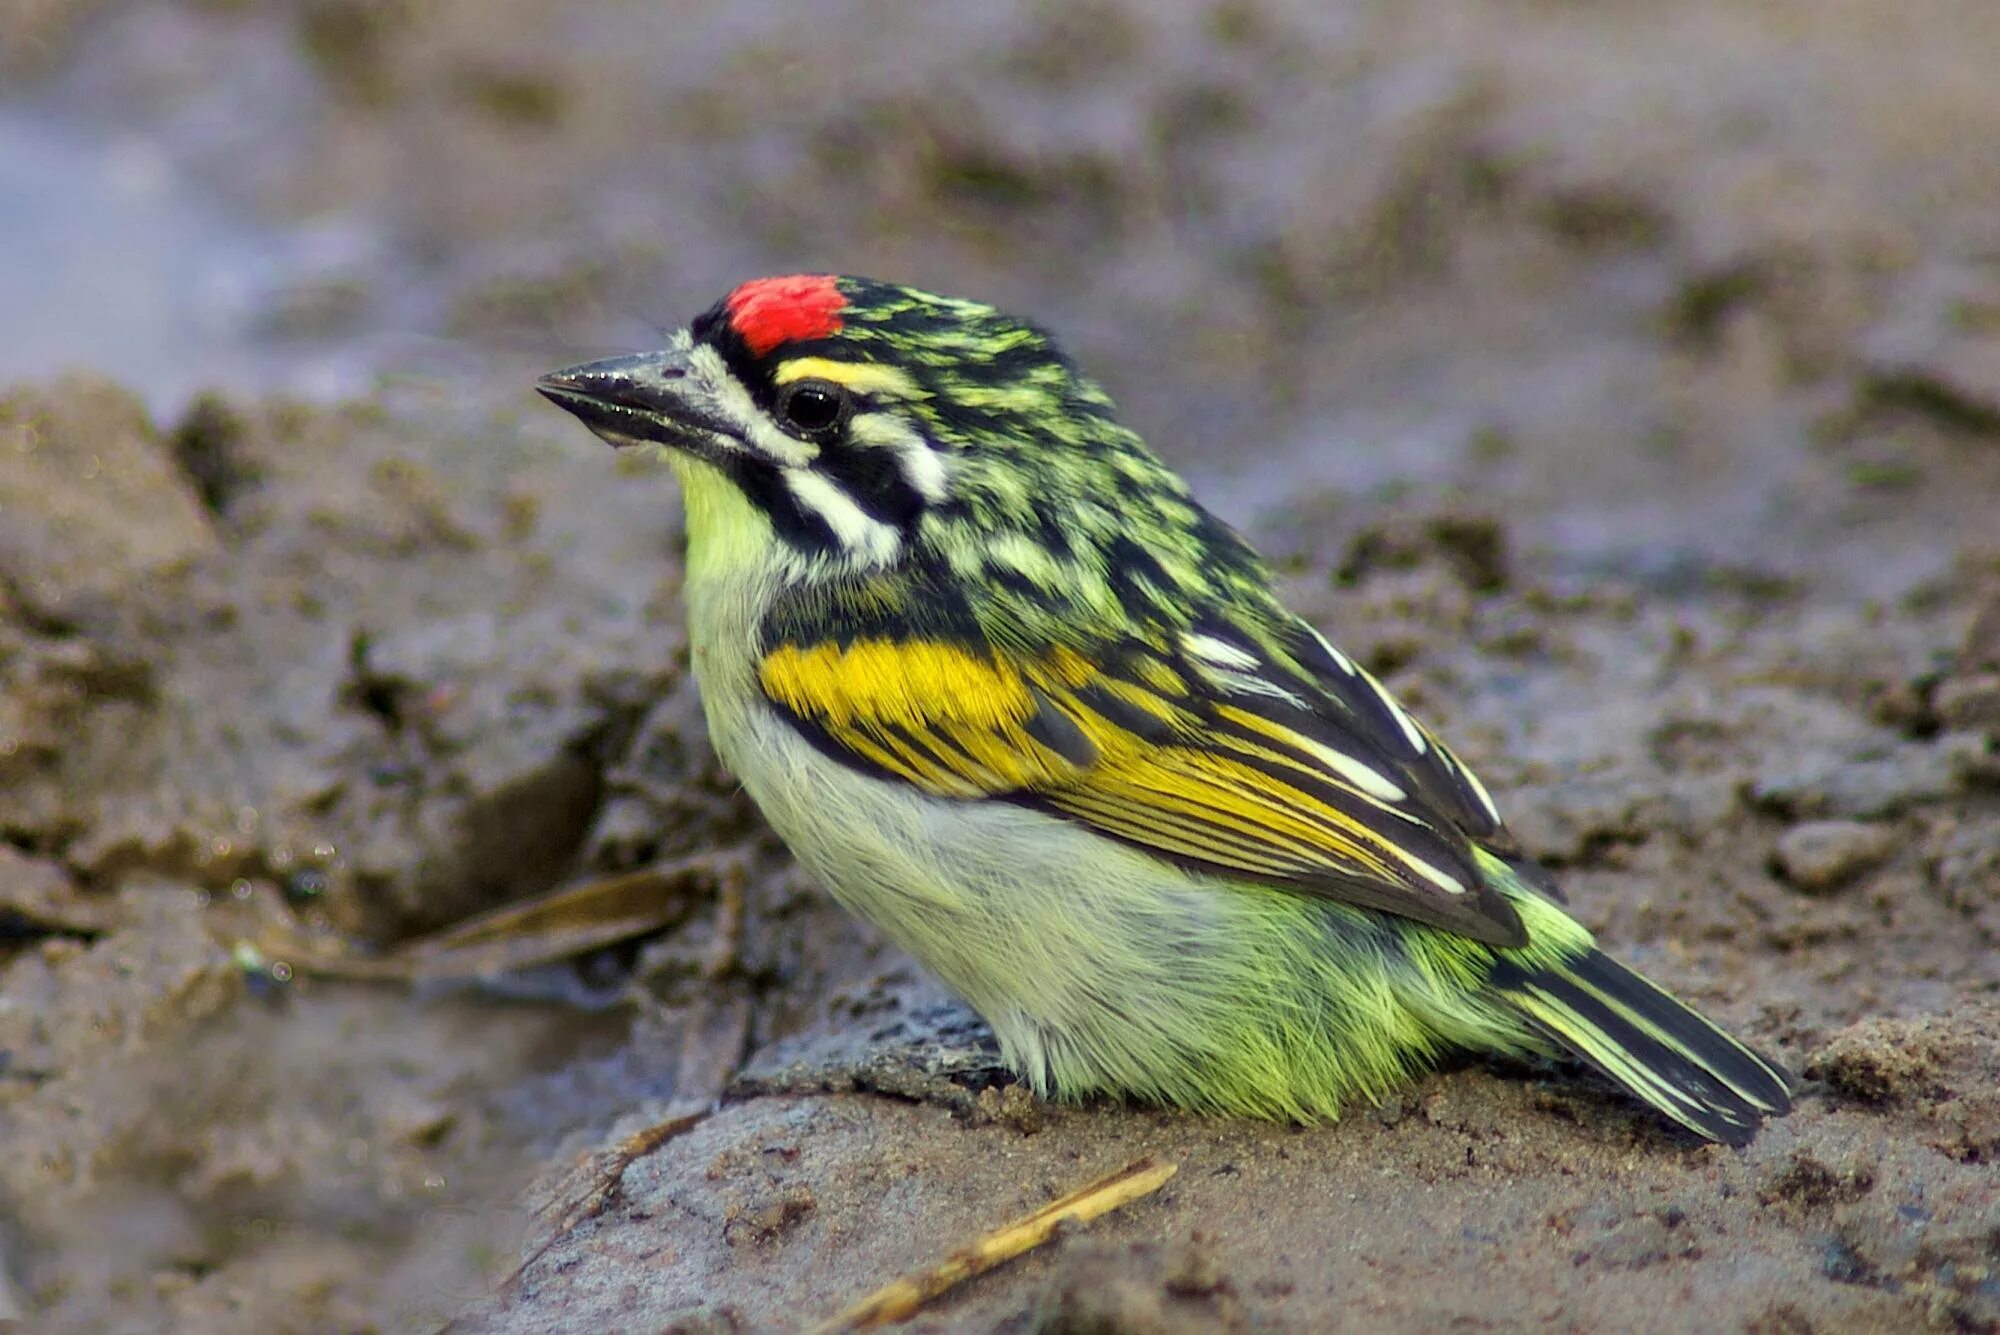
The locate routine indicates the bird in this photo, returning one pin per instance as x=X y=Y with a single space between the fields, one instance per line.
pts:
x=1015 y=697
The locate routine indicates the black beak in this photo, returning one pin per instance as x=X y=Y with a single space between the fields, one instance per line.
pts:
x=634 y=400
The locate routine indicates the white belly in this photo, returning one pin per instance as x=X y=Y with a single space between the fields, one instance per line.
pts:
x=970 y=888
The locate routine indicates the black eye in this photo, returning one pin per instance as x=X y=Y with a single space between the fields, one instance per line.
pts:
x=814 y=409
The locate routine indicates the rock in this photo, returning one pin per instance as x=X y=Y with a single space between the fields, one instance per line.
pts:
x=1822 y=855
x=91 y=500
x=1864 y=784
x=1964 y=860
x=1880 y=1061
x=1981 y=651
x=916 y=1043
x=1818 y=759
x=1471 y=545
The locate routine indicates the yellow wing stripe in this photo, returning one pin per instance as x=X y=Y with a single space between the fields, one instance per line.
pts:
x=1153 y=789
x=1161 y=678
x=877 y=752
x=964 y=723
x=1142 y=698
x=1011 y=758
x=1221 y=795
x=915 y=759
x=911 y=683
x=1305 y=816
x=1197 y=842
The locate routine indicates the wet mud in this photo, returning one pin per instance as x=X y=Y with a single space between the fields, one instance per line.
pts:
x=1623 y=385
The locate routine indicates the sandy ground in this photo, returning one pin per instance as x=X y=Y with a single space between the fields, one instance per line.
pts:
x=1622 y=382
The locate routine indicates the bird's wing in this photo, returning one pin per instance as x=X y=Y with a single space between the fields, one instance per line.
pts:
x=1208 y=751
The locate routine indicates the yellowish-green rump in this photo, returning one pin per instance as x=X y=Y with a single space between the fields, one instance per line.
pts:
x=1018 y=699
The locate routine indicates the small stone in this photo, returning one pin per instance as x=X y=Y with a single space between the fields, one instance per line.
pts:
x=1822 y=855
x=1880 y=1060
x=1964 y=860
x=1011 y=1105
x=766 y=1214
x=96 y=505
x=421 y=1122
x=1192 y=1270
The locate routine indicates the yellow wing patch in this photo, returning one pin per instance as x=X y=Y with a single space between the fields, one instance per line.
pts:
x=1143 y=755
x=954 y=721
x=886 y=681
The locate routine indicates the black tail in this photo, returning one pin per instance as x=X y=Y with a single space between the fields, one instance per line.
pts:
x=1654 y=1045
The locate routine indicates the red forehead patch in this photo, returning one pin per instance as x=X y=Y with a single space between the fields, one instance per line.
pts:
x=767 y=312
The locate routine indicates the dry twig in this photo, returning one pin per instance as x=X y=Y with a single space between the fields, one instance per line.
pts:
x=900 y=1300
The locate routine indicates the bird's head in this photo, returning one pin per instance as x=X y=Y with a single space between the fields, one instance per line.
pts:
x=874 y=426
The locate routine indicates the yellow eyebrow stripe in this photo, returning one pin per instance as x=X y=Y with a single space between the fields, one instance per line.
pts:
x=861 y=377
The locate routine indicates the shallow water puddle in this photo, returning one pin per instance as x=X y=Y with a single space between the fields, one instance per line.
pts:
x=114 y=260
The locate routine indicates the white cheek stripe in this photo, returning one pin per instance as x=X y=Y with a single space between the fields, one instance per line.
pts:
x=853 y=528
x=922 y=467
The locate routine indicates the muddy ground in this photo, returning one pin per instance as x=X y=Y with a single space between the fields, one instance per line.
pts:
x=1622 y=381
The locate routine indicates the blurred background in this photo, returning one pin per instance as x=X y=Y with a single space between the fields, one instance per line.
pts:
x=1622 y=380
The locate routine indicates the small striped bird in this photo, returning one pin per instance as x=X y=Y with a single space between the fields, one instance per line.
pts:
x=1017 y=699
